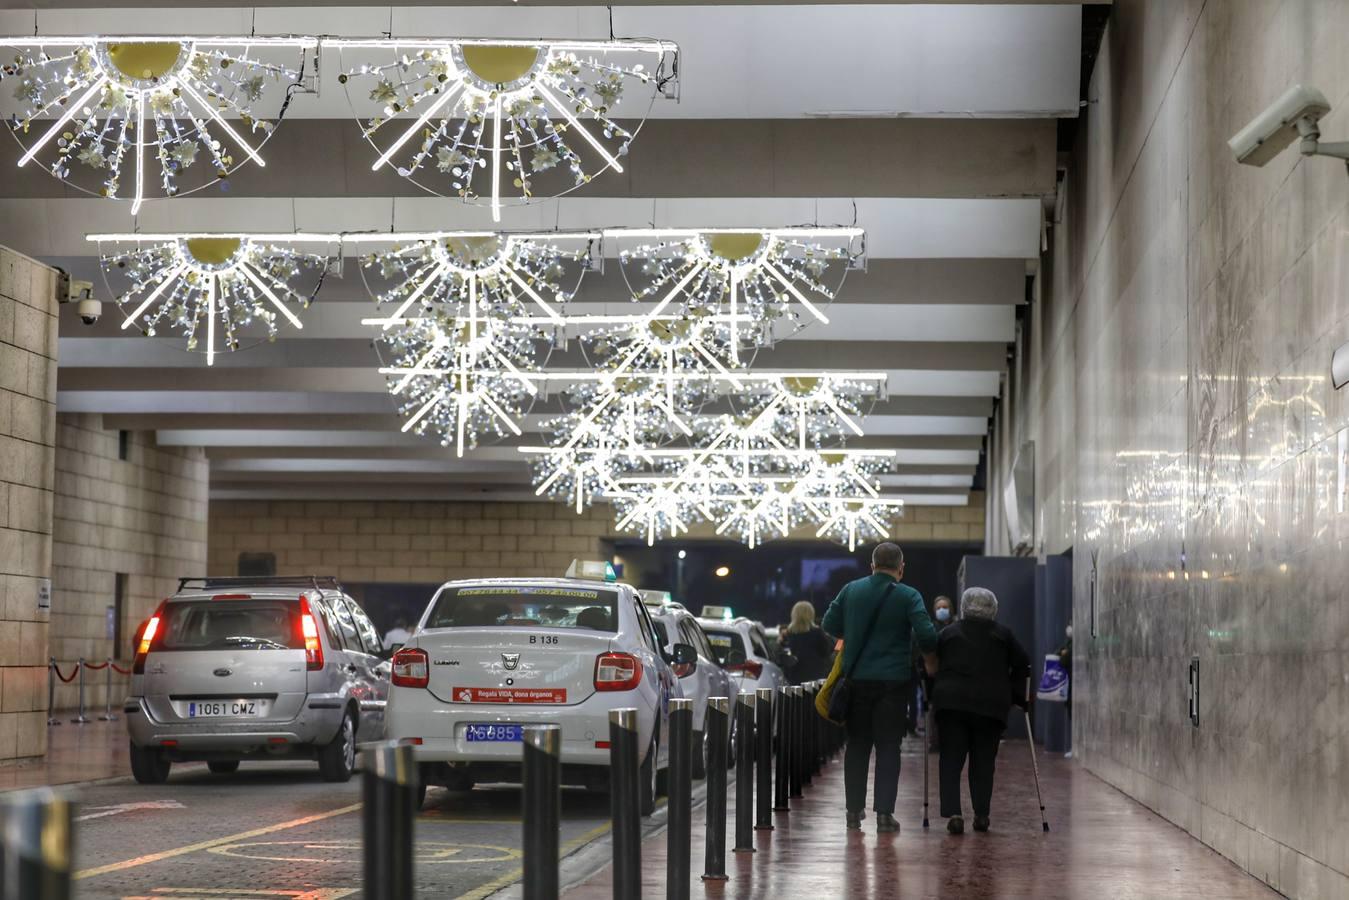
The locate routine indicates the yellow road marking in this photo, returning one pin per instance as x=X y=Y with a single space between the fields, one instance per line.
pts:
x=496 y=884
x=214 y=842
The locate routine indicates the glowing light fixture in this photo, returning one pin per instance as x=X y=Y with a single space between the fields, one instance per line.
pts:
x=90 y=106
x=241 y=283
x=455 y=113
x=722 y=571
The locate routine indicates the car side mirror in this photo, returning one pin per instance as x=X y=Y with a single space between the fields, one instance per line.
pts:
x=735 y=658
x=685 y=655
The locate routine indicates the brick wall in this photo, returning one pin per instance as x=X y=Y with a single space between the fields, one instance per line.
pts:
x=942 y=523
x=394 y=541
x=27 y=435
x=144 y=516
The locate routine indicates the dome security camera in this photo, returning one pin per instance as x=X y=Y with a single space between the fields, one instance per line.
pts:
x=90 y=310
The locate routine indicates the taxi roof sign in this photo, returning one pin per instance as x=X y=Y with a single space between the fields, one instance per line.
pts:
x=718 y=612
x=655 y=598
x=592 y=570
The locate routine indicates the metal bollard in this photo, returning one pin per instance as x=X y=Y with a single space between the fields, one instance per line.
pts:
x=51 y=691
x=542 y=782
x=81 y=719
x=36 y=833
x=763 y=742
x=794 y=737
x=679 y=834
x=718 y=729
x=389 y=794
x=744 y=774
x=807 y=746
x=624 y=804
x=108 y=714
x=812 y=732
x=783 y=763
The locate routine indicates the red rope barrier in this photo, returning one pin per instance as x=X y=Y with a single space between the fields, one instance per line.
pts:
x=96 y=667
x=119 y=669
x=73 y=672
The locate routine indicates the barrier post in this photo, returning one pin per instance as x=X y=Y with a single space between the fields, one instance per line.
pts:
x=794 y=737
x=51 y=691
x=718 y=729
x=81 y=719
x=807 y=745
x=745 y=749
x=783 y=763
x=542 y=813
x=763 y=742
x=624 y=804
x=36 y=833
x=389 y=792
x=813 y=729
x=679 y=833
x=108 y=714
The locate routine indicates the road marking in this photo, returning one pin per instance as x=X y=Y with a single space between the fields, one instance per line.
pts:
x=128 y=807
x=214 y=842
x=486 y=890
x=349 y=851
x=168 y=893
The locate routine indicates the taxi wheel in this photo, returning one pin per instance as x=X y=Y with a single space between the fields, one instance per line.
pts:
x=223 y=766
x=338 y=758
x=149 y=765
x=699 y=754
x=646 y=788
x=421 y=795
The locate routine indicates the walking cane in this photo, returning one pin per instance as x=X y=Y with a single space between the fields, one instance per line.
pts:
x=1035 y=767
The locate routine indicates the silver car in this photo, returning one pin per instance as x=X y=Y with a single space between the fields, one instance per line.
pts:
x=230 y=669
x=741 y=648
x=706 y=678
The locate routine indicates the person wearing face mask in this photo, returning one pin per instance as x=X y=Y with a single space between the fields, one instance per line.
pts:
x=941 y=611
x=942 y=616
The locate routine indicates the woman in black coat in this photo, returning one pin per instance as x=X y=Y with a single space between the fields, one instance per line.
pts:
x=811 y=647
x=981 y=672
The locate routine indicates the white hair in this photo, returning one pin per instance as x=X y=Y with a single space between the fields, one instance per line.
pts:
x=978 y=603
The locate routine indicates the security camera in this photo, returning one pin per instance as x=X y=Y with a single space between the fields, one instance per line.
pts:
x=90 y=310
x=1294 y=115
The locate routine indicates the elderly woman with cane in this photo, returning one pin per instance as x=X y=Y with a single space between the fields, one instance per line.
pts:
x=981 y=672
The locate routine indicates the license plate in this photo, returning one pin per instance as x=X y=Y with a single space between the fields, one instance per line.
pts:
x=494 y=732
x=223 y=709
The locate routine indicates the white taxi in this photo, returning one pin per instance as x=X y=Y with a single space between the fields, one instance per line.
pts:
x=490 y=656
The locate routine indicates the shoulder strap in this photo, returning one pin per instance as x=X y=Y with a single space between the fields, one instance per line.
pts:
x=871 y=626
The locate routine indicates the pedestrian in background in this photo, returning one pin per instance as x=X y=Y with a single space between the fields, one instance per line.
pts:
x=877 y=617
x=981 y=671
x=943 y=615
x=808 y=644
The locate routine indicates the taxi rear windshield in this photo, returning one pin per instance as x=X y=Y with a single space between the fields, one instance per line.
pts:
x=587 y=609
x=231 y=625
x=723 y=642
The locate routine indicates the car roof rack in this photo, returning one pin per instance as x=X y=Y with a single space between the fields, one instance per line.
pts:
x=208 y=582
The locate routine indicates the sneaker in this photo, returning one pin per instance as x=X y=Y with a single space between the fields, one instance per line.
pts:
x=955 y=825
x=886 y=823
x=855 y=820
x=981 y=823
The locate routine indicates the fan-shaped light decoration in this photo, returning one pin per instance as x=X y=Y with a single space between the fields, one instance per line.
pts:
x=469 y=317
x=745 y=279
x=234 y=285
x=455 y=113
x=97 y=104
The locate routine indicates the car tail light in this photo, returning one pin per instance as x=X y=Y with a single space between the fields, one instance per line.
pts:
x=749 y=667
x=147 y=640
x=411 y=668
x=309 y=630
x=617 y=672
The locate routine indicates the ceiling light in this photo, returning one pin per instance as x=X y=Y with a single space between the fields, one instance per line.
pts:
x=452 y=114
x=723 y=571
x=235 y=284
x=158 y=101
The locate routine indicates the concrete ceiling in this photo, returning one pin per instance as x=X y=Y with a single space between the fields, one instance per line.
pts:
x=930 y=126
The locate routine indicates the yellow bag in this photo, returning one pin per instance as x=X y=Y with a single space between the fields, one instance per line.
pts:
x=827 y=689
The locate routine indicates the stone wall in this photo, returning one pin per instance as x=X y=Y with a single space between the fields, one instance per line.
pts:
x=1186 y=432
x=143 y=516
x=27 y=436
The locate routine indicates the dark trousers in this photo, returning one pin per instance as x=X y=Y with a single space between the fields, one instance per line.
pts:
x=875 y=720
x=966 y=735
x=911 y=702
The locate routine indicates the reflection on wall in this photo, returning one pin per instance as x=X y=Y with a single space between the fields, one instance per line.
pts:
x=1188 y=438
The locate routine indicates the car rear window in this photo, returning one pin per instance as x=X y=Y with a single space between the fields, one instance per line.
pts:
x=508 y=606
x=232 y=625
x=723 y=642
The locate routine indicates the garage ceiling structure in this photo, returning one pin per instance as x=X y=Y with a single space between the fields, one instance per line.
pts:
x=931 y=126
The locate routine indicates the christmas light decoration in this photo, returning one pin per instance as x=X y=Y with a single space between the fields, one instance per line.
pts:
x=454 y=113
x=234 y=284
x=89 y=106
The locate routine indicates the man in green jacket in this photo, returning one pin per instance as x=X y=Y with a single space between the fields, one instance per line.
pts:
x=877 y=617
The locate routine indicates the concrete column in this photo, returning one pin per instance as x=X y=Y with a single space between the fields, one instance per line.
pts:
x=27 y=458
